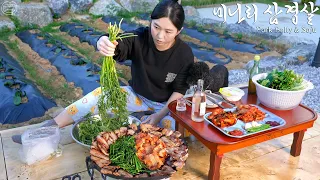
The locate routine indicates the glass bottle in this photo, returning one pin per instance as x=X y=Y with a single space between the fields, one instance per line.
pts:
x=198 y=103
x=253 y=71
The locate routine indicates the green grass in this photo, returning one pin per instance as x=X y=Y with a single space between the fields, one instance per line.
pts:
x=51 y=28
x=5 y=33
x=127 y=14
x=94 y=17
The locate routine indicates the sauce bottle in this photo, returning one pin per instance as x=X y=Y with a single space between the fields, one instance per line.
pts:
x=253 y=71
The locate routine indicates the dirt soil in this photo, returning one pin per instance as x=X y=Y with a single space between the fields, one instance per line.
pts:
x=187 y=38
x=98 y=24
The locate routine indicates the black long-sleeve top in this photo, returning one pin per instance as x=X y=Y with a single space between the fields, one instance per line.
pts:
x=155 y=74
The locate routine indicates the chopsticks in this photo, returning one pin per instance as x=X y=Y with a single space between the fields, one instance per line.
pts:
x=215 y=102
x=188 y=102
x=219 y=98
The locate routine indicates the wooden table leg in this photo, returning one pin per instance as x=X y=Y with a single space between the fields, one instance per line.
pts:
x=180 y=128
x=215 y=162
x=297 y=143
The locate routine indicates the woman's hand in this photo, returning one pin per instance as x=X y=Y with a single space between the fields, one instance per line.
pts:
x=153 y=119
x=106 y=47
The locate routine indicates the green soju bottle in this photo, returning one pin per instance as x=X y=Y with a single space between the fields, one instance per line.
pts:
x=253 y=71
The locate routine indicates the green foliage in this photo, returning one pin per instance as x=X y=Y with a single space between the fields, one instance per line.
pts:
x=283 y=80
x=17 y=99
x=192 y=24
x=5 y=33
x=262 y=43
x=226 y=32
x=50 y=28
x=90 y=128
x=126 y=14
x=123 y=154
x=2 y=75
x=201 y=29
x=222 y=42
x=112 y=97
x=239 y=36
x=56 y=16
x=94 y=17
x=57 y=51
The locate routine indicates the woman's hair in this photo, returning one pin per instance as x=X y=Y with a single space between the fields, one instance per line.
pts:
x=170 y=9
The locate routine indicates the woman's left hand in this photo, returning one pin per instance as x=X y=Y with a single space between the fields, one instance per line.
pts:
x=153 y=119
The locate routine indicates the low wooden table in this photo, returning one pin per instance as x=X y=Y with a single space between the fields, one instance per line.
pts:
x=297 y=120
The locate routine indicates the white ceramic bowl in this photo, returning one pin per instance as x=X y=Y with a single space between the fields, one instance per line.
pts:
x=234 y=95
x=279 y=99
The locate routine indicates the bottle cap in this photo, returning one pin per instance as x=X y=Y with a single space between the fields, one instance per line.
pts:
x=256 y=57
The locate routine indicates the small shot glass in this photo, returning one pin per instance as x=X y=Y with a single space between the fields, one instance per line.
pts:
x=181 y=104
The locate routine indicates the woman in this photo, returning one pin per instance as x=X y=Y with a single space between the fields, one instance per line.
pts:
x=160 y=63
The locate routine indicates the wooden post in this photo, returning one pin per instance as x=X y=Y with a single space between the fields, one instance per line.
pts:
x=215 y=162
x=297 y=143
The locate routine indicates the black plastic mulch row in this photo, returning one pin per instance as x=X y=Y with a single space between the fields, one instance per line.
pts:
x=86 y=34
x=12 y=81
x=83 y=32
x=75 y=68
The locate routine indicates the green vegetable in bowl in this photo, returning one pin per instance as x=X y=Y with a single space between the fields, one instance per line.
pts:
x=258 y=128
x=92 y=126
x=283 y=80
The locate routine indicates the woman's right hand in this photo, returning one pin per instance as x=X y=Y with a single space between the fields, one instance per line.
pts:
x=106 y=47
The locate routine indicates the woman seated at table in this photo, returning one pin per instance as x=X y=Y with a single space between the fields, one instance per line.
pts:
x=160 y=65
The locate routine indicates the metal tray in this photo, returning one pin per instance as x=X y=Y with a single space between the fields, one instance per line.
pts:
x=240 y=124
x=91 y=166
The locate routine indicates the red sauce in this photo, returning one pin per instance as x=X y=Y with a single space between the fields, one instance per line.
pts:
x=236 y=132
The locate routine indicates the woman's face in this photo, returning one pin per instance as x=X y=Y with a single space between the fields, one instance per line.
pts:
x=163 y=33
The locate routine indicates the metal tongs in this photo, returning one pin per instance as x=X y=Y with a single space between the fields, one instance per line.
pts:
x=218 y=100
